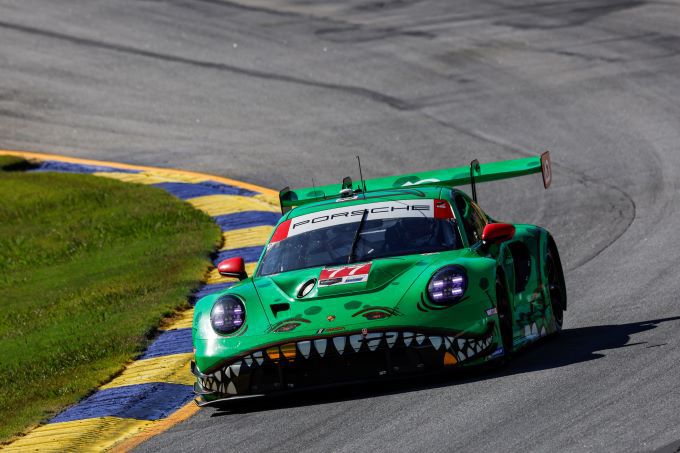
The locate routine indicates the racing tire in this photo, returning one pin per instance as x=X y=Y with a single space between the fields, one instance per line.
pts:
x=504 y=315
x=556 y=286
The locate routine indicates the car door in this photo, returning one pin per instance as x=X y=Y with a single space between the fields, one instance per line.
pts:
x=516 y=257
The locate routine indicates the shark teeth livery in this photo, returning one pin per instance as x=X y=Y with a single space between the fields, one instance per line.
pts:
x=238 y=377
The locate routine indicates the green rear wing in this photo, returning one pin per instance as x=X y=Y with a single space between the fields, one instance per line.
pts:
x=458 y=176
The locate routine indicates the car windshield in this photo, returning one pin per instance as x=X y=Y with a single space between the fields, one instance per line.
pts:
x=329 y=238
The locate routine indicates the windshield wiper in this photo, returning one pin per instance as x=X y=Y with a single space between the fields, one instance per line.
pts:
x=350 y=259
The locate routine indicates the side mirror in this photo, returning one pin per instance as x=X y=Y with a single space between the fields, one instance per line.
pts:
x=233 y=267
x=495 y=233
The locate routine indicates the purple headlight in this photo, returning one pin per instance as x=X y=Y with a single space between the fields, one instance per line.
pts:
x=227 y=315
x=447 y=285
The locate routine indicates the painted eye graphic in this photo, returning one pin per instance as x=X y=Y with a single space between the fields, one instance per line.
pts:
x=287 y=327
x=289 y=324
x=373 y=313
x=376 y=315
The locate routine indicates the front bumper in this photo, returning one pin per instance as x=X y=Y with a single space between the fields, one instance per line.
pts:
x=314 y=362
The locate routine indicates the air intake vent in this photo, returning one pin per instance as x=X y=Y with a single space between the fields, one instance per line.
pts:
x=306 y=288
x=276 y=308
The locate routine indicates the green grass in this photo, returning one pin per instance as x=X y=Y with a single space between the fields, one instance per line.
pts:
x=88 y=268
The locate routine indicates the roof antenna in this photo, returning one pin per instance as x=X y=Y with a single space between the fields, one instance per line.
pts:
x=361 y=176
x=474 y=167
x=313 y=186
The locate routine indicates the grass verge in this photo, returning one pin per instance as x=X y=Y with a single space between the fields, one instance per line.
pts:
x=88 y=267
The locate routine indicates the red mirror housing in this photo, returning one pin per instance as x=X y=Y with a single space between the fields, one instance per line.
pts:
x=495 y=233
x=233 y=267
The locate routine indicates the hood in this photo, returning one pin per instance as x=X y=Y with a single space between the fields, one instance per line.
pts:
x=325 y=297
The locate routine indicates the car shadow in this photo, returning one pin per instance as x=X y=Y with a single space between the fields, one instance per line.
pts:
x=572 y=346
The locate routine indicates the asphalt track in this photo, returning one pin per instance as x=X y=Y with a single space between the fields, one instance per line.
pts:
x=274 y=92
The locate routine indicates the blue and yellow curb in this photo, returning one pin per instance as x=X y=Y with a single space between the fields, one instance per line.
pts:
x=154 y=392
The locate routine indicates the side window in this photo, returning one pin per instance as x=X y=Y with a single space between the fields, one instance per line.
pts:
x=463 y=207
x=472 y=218
x=479 y=220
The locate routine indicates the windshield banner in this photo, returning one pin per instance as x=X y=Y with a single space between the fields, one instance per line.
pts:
x=380 y=210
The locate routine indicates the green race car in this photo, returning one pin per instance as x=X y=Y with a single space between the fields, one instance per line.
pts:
x=392 y=276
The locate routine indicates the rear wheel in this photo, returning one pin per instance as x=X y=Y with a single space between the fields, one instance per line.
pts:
x=556 y=287
x=504 y=314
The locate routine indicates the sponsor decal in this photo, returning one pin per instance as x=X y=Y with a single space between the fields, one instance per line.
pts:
x=334 y=329
x=491 y=311
x=344 y=275
x=320 y=331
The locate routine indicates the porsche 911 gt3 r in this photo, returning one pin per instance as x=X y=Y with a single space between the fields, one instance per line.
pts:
x=391 y=276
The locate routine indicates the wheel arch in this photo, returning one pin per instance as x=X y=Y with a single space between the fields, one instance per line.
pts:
x=552 y=245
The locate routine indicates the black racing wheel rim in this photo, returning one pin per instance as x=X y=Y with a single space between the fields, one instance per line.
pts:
x=504 y=315
x=555 y=287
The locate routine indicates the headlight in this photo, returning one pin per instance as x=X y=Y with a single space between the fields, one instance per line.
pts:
x=227 y=315
x=447 y=285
